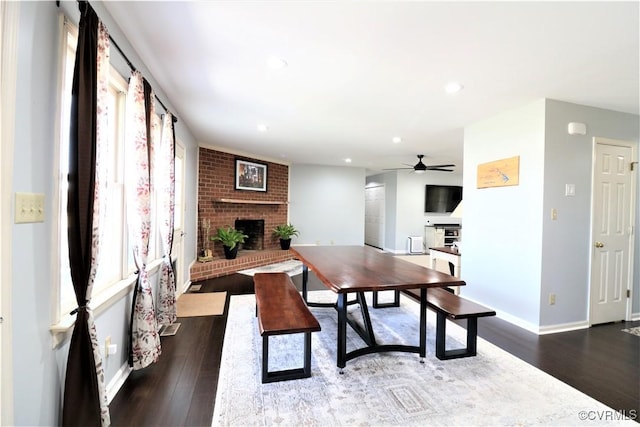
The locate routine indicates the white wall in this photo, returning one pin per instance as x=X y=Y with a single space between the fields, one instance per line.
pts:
x=36 y=385
x=38 y=369
x=514 y=254
x=566 y=241
x=327 y=204
x=502 y=232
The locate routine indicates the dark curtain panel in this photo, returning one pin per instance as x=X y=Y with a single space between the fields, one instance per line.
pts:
x=81 y=396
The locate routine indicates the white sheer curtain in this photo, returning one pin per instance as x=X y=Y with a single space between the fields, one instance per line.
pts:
x=165 y=185
x=145 y=340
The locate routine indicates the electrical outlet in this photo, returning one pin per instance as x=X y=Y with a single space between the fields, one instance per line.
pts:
x=107 y=344
x=552 y=299
x=554 y=214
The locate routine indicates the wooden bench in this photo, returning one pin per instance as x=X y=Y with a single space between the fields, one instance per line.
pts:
x=281 y=310
x=446 y=304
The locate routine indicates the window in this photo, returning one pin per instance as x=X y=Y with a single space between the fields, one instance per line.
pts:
x=116 y=259
x=67 y=298
x=111 y=262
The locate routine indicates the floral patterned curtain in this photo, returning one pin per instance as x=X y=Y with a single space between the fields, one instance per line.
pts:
x=85 y=397
x=145 y=340
x=165 y=184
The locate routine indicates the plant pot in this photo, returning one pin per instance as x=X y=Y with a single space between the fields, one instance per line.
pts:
x=230 y=253
x=285 y=244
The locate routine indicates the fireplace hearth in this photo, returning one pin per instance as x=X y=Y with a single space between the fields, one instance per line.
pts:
x=254 y=228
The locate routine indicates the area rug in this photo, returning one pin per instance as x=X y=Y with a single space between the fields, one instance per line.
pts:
x=633 y=331
x=292 y=267
x=494 y=388
x=201 y=304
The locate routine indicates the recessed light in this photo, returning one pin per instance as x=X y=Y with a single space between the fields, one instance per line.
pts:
x=453 y=87
x=262 y=128
x=347 y=160
x=276 y=63
x=396 y=140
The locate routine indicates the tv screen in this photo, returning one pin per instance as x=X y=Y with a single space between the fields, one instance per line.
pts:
x=442 y=198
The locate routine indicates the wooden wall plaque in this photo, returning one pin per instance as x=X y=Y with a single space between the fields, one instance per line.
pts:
x=499 y=173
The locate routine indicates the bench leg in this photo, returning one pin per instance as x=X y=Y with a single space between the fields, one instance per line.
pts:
x=286 y=374
x=472 y=338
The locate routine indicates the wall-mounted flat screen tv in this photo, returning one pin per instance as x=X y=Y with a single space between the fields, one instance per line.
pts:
x=441 y=198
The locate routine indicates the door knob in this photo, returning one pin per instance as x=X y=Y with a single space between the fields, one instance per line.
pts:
x=599 y=245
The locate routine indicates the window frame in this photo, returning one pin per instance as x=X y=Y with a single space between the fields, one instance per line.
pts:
x=118 y=285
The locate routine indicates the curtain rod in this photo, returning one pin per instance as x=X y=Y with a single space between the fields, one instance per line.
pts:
x=131 y=66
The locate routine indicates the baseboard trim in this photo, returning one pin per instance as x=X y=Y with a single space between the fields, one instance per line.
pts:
x=516 y=321
x=536 y=329
x=118 y=381
x=185 y=286
x=394 y=251
x=543 y=330
x=563 y=327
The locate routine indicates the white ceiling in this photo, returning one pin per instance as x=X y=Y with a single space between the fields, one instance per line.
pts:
x=360 y=73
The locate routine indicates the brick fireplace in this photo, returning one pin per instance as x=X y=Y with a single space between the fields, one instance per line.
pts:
x=254 y=230
x=221 y=205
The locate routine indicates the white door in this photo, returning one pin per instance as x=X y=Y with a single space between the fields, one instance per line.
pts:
x=374 y=201
x=612 y=210
x=178 y=226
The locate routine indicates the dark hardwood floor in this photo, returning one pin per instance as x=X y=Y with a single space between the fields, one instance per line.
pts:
x=180 y=389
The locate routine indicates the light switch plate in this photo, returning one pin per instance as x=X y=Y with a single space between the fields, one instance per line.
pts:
x=570 y=190
x=29 y=207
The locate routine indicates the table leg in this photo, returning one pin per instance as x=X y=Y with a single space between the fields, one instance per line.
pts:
x=423 y=324
x=395 y=303
x=342 y=331
x=367 y=335
x=305 y=277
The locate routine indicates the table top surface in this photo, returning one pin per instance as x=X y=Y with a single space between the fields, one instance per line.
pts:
x=446 y=249
x=361 y=268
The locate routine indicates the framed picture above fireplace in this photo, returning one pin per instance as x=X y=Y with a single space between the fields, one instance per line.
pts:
x=251 y=176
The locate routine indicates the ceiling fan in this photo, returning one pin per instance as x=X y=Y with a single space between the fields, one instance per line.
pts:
x=422 y=168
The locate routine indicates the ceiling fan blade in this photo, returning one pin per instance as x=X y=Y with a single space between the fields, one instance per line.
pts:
x=439 y=166
x=421 y=167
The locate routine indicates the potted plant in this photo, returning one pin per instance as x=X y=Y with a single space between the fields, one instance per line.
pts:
x=285 y=232
x=229 y=237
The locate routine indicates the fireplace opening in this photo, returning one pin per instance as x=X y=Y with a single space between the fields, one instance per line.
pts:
x=254 y=228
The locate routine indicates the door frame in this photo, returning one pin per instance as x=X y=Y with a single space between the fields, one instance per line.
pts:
x=179 y=255
x=632 y=219
x=9 y=22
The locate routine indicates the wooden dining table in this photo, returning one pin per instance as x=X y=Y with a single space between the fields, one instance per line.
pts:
x=355 y=270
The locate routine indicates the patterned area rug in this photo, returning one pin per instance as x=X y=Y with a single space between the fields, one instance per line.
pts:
x=291 y=267
x=494 y=388
x=633 y=331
